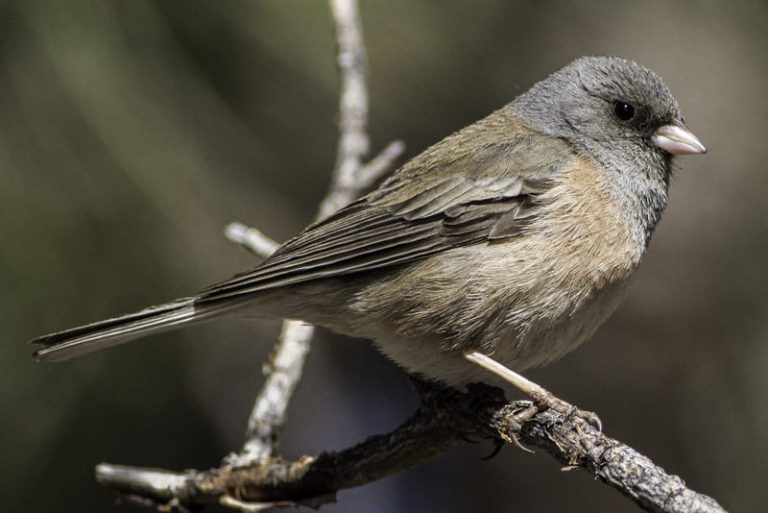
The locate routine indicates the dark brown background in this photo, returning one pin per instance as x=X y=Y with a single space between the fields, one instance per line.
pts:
x=131 y=132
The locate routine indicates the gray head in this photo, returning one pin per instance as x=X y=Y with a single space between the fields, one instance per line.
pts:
x=624 y=116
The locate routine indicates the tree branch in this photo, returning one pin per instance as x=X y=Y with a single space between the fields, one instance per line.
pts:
x=251 y=239
x=350 y=178
x=353 y=107
x=445 y=418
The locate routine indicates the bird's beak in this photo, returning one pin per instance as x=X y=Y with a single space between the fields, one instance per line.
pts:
x=677 y=140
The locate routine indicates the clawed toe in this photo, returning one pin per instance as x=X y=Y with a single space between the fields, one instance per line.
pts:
x=497 y=446
x=589 y=417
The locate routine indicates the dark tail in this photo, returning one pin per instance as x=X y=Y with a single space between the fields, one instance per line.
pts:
x=101 y=335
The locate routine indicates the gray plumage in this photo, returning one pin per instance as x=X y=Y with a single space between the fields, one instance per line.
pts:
x=513 y=236
x=572 y=104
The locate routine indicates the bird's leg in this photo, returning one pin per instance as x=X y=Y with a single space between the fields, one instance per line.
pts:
x=540 y=395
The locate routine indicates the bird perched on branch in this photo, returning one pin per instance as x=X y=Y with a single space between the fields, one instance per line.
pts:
x=512 y=238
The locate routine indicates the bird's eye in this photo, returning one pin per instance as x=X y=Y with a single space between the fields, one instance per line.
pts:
x=624 y=111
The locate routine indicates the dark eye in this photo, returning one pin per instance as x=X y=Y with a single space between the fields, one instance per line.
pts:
x=624 y=111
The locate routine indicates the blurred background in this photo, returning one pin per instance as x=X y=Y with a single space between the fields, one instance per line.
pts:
x=132 y=132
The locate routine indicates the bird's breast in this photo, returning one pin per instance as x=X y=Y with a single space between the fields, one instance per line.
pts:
x=528 y=300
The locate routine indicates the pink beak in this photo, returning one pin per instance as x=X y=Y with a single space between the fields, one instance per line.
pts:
x=677 y=140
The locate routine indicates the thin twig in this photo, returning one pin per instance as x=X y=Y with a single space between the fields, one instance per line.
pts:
x=380 y=165
x=283 y=374
x=353 y=107
x=269 y=411
x=251 y=507
x=251 y=239
x=445 y=418
x=256 y=242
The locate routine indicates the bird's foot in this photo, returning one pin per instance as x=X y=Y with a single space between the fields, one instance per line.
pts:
x=589 y=417
x=542 y=398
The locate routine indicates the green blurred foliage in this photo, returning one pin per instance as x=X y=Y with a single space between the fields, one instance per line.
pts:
x=132 y=132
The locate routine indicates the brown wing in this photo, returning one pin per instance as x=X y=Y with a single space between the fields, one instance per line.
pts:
x=405 y=221
x=363 y=237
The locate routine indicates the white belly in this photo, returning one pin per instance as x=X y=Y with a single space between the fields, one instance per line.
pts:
x=536 y=348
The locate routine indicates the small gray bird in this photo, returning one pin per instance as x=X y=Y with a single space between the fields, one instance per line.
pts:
x=512 y=238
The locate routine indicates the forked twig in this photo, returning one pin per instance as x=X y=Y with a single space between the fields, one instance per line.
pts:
x=349 y=180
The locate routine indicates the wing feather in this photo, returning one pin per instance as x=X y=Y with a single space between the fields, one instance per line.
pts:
x=408 y=220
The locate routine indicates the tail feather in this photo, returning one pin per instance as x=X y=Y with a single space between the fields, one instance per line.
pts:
x=64 y=345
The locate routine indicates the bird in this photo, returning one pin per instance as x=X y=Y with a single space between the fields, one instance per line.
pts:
x=513 y=238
